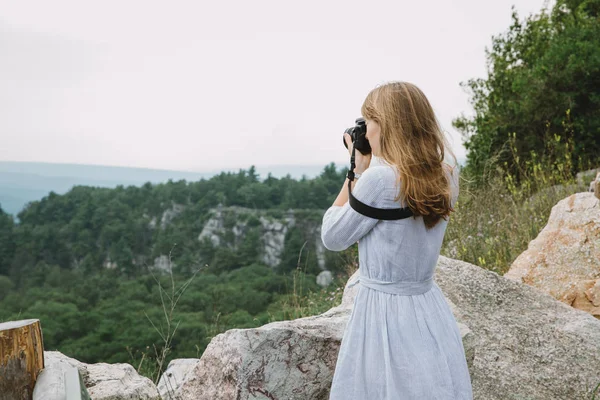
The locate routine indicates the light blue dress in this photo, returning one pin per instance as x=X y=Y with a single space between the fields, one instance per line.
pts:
x=401 y=341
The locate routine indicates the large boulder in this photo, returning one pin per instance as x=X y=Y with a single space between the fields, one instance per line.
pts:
x=564 y=259
x=519 y=343
x=103 y=381
x=527 y=344
x=281 y=360
x=228 y=226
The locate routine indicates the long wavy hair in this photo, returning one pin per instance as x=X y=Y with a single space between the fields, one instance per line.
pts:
x=411 y=140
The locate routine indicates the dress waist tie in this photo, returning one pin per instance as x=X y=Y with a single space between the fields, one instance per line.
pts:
x=403 y=288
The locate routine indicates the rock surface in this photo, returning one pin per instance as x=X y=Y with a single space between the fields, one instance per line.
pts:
x=163 y=264
x=273 y=232
x=174 y=376
x=564 y=259
x=520 y=343
x=527 y=344
x=281 y=360
x=103 y=381
x=170 y=214
x=324 y=278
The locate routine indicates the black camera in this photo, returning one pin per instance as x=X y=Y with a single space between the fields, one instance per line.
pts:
x=358 y=133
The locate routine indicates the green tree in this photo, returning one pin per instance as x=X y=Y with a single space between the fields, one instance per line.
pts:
x=249 y=249
x=7 y=242
x=298 y=252
x=543 y=74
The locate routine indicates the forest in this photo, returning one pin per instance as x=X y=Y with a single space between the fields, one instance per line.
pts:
x=54 y=264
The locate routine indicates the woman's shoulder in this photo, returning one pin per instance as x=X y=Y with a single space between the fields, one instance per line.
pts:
x=385 y=171
x=380 y=176
x=374 y=174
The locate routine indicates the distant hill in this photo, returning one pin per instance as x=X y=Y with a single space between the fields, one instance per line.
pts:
x=22 y=182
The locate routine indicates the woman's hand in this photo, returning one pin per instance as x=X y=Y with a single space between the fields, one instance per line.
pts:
x=362 y=162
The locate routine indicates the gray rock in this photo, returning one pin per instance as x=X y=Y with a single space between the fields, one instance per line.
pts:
x=325 y=278
x=273 y=233
x=108 y=264
x=274 y=239
x=176 y=373
x=103 y=381
x=527 y=344
x=281 y=360
x=171 y=213
x=163 y=265
x=211 y=229
x=50 y=383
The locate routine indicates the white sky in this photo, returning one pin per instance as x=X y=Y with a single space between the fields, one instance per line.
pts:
x=202 y=85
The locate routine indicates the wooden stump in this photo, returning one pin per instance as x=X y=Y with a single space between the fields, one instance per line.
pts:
x=21 y=358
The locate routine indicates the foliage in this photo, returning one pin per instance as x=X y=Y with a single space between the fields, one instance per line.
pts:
x=543 y=73
x=495 y=222
x=127 y=228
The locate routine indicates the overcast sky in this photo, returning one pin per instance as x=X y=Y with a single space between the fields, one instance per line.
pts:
x=201 y=85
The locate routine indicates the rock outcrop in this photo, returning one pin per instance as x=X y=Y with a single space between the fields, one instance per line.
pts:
x=595 y=186
x=170 y=213
x=272 y=231
x=527 y=344
x=103 y=381
x=174 y=376
x=564 y=259
x=519 y=343
x=281 y=360
x=163 y=264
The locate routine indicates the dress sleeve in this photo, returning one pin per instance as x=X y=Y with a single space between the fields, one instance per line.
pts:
x=342 y=226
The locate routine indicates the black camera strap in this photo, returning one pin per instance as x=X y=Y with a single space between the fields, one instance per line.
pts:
x=367 y=210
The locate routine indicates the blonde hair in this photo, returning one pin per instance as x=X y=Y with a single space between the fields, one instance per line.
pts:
x=411 y=140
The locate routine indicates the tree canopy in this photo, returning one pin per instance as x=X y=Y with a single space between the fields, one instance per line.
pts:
x=543 y=85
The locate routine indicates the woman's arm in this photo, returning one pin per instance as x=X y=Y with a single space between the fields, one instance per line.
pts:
x=342 y=198
x=343 y=226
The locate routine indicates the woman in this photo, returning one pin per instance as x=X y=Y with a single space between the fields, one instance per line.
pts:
x=401 y=341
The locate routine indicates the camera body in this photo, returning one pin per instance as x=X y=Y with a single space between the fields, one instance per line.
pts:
x=358 y=133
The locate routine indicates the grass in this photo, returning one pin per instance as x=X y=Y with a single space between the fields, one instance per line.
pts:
x=595 y=391
x=494 y=224
x=155 y=363
x=300 y=303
